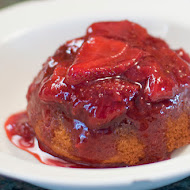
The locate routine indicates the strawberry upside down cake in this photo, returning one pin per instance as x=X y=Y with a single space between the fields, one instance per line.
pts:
x=114 y=97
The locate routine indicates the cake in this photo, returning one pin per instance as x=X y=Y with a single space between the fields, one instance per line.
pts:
x=114 y=97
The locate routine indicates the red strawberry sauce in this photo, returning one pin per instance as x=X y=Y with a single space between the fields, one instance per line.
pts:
x=22 y=135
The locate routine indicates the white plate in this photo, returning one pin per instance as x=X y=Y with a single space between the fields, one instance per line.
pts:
x=32 y=31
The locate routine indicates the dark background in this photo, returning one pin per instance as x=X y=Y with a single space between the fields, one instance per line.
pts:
x=11 y=184
x=5 y=3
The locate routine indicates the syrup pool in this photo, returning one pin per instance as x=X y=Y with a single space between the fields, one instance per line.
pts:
x=21 y=134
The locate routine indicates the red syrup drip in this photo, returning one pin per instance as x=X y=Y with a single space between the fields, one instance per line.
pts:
x=21 y=134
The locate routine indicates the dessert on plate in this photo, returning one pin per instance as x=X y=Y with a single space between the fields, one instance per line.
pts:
x=114 y=97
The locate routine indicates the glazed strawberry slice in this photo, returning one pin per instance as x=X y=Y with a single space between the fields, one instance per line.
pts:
x=176 y=65
x=102 y=101
x=100 y=57
x=159 y=85
x=124 y=30
x=159 y=88
x=54 y=88
x=169 y=76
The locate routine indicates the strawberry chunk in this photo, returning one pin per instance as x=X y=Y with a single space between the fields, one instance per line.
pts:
x=159 y=85
x=102 y=101
x=181 y=69
x=124 y=30
x=158 y=88
x=52 y=88
x=100 y=57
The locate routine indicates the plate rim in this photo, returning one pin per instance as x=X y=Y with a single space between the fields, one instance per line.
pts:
x=5 y=169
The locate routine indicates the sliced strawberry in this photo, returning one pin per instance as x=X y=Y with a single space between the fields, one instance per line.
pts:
x=100 y=57
x=181 y=70
x=159 y=88
x=54 y=88
x=145 y=68
x=123 y=30
x=159 y=85
x=174 y=64
x=172 y=72
x=103 y=101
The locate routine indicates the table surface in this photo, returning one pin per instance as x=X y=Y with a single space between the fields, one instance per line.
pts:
x=12 y=184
